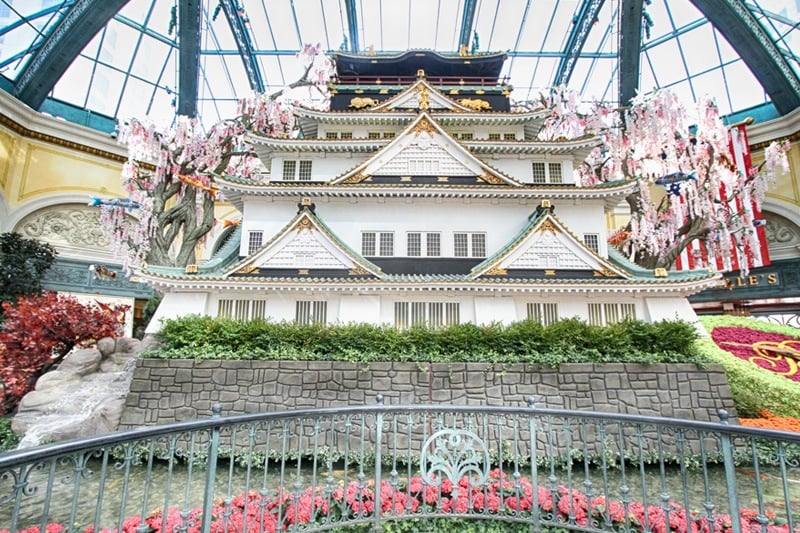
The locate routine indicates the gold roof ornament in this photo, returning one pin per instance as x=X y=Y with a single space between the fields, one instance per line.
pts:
x=191 y=269
x=660 y=272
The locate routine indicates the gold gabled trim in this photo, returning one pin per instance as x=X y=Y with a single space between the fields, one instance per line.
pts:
x=547 y=225
x=247 y=269
x=494 y=180
x=358 y=271
x=424 y=97
x=496 y=271
x=304 y=223
x=424 y=125
x=549 y=272
x=357 y=178
x=605 y=273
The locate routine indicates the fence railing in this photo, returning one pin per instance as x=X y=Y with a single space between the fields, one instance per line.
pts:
x=367 y=468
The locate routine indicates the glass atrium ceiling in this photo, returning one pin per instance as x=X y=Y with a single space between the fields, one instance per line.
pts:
x=127 y=53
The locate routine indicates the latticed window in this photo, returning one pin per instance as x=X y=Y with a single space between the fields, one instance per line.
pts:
x=543 y=313
x=294 y=170
x=386 y=244
x=434 y=244
x=539 y=172
x=305 y=171
x=461 y=245
x=347 y=135
x=331 y=135
x=592 y=241
x=478 y=245
x=546 y=172
x=428 y=314
x=606 y=314
x=509 y=136
x=373 y=135
x=494 y=136
x=469 y=244
x=388 y=134
x=414 y=244
x=377 y=243
x=429 y=243
x=289 y=170
x=555 y=172
x=311 y=312
x=368 y=239
x=423 y=166
x=254 y=241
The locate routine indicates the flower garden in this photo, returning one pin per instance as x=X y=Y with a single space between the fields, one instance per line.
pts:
x=487 y=506
x=761 y=361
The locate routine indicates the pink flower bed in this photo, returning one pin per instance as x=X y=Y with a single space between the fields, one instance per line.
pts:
x=772 y=351
x=256 y=513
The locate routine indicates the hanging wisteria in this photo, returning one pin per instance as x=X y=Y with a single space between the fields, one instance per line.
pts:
x=170 y=172
x=706 y=203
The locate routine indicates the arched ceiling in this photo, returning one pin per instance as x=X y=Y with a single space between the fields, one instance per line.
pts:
x=112 y=59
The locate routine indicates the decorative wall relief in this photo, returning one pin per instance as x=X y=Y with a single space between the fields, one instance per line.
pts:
x=73 y=229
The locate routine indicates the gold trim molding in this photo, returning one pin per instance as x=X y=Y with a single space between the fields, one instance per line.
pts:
x=57 y=141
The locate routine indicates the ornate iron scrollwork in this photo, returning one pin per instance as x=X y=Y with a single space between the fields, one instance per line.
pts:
x=453 y=454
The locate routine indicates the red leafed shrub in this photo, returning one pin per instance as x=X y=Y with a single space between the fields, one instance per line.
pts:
x=39 y=330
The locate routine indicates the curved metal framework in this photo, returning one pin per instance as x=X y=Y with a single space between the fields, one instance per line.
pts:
x=524 y=465
x=605 y=41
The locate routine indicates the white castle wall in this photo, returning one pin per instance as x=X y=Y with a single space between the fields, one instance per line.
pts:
x=377 y=308
x=500 y=220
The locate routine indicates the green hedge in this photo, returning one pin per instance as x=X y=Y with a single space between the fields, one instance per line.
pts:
x=567 y=341
x=753 y=388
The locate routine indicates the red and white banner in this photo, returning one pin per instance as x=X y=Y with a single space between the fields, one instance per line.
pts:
x=696 y=255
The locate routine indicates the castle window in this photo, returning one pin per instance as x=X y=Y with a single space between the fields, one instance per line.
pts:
x=331 y=135
x=377 y=244
x=592 y=241
x=388 y=134
x=606 y=314
x=297 y=170
x=555 y=172
x=289 y=170
x=431 y=246
x=423 y=166
x=546 y=173
x=310 y=312
x=426 y=314
x=346 y=135
x=539 y=173
x=543 y=313
x=509 y=136
x=305 y=171
x=494 y=136
x=254 y=241
x=469 y=244
x=373 y=135
x=242 y=309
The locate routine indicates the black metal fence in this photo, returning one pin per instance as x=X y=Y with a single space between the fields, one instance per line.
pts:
x=369 y=467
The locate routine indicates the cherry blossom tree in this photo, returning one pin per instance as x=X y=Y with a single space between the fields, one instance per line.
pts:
x=689 y=188
x=170 y=173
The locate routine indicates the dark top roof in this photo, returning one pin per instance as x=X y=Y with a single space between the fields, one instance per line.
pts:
x=487 y=66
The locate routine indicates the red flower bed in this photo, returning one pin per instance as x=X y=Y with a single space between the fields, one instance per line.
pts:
x=255 y=512
x=775 y=352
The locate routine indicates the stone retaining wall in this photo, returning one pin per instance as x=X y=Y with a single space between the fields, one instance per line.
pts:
x=164 y=391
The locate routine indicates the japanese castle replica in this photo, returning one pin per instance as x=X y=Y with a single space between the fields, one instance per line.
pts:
x=421 y=198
